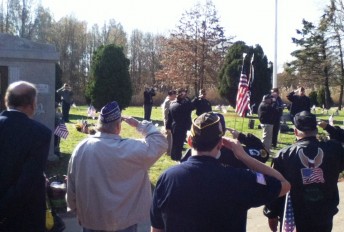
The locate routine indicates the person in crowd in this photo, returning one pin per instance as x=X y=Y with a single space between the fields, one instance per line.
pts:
x=201 y=195
x=24 y=148
x=148 y=95
x=335 y=132
x=66 y=94
x=179 y=122
x=107 y=179
x=312 y=167
x=267 y=112
x=201 y=104
x=299 y=102
x=277 y=120
x=165 y=109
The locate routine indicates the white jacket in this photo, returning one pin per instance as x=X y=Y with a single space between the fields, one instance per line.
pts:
x=108 y=184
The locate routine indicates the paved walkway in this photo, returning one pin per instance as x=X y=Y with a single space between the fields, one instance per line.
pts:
x=256 y=221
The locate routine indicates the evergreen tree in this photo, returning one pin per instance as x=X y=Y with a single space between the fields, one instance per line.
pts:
x=231 y=70
x=110 y=80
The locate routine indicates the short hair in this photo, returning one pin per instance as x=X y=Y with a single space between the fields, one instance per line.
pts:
x=108 y=127
x=206 y=131
x=204 y=146
x=309 y=133
x=20 y=93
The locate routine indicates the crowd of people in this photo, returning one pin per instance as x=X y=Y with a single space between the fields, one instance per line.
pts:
x=211 y=188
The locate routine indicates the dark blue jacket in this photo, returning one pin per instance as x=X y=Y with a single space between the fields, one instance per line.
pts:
x=24 y=147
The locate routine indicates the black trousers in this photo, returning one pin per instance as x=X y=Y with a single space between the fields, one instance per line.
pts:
x=65 y=111
x=178 y=139
x=148 y=111
x=275 y=132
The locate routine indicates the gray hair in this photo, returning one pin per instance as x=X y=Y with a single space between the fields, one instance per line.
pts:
x=304 y=134
x=108 y=127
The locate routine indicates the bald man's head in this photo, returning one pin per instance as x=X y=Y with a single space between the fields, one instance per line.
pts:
x=20 y=94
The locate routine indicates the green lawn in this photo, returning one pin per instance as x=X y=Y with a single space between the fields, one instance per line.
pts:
x=232 y=121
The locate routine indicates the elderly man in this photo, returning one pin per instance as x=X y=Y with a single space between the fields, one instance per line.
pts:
x=313 y=168
x=24 y=147
x=107 y=184
x=201 y=195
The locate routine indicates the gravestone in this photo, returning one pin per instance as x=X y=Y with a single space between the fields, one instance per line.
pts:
x=22 y=59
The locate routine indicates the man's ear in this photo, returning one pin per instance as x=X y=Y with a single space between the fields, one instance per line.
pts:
x=190 y=141
x=296 y=132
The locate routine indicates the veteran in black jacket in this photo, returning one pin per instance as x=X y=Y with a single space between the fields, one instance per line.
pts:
x=24 y=147
x=312 y=167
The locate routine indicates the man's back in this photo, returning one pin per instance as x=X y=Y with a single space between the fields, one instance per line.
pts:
x=23 y=154
x=201 y=195
x=108 y=182
x=312 y=167
x=180 y=114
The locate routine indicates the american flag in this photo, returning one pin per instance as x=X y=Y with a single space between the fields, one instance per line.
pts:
x=288 y=218
x=243 y=96
x=61 y=131
x=312 y=175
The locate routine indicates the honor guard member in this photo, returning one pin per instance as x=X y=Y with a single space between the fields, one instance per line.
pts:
x=179 y=122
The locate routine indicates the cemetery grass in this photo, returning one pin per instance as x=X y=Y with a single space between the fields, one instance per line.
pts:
x=79 y=113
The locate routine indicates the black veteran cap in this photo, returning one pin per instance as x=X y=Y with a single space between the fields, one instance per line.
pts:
x=305 y=121
x=207 y=127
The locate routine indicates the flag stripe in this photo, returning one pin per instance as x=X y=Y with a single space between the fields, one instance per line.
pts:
x=288 y=218
x=61 y=131
x=243 y=96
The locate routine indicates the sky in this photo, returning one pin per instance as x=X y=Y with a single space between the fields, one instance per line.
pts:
x=251 y=21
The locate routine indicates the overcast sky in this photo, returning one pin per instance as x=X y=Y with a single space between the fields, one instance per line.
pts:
x=251 y=21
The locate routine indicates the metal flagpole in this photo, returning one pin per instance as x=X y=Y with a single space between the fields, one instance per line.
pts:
x=274 y=75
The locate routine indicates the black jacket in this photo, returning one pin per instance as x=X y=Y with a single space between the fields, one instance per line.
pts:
x=335 y=132
x=202 y=105
x=148 y=95
x=267 y=113
x=24 y=147
x=298 y=103
x=179 y=115
x=312 y=168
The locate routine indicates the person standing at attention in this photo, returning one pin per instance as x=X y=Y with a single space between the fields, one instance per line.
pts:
x=66 y=94
x=107 y=179
x=277 y=120
x=179 y=122
x=299 y=102
x=201 y=103
x=24 y=148
x=165 y=108
x=201 y=195
x=267 y=112
x=148 y=95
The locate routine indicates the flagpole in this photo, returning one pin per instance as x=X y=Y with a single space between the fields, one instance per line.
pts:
x=274 y=75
